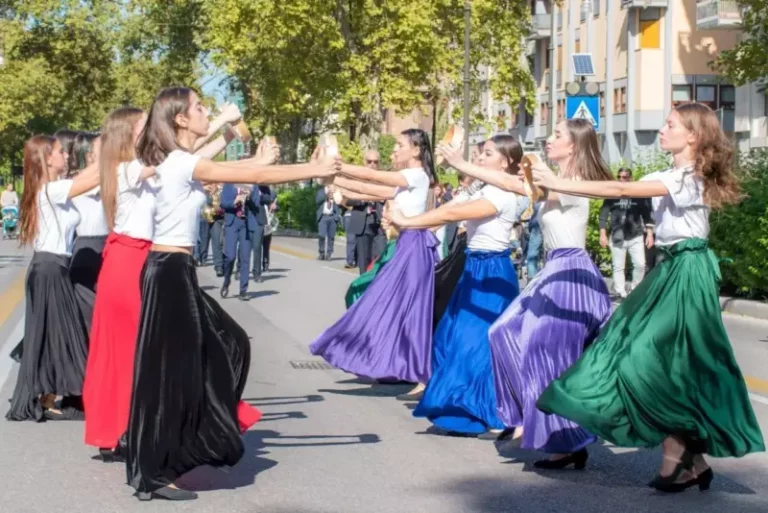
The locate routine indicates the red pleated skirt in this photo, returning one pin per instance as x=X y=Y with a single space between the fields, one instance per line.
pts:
x=109 y=373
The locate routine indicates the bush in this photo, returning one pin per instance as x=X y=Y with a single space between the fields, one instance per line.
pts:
x=739 y=233
x=385 y=147
x=297 y=209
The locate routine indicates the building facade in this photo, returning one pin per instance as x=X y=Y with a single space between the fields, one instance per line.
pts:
x=649 y=55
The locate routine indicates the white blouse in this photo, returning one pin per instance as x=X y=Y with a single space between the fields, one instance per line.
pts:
x=135 y=215
x=179 y=199
x=57 y=219
x=93 y=222
x=563 y=222
x=412 y=200
x=493 y=233
x=682 y=214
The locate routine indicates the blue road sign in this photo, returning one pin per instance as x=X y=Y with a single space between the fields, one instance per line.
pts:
x=586 y=107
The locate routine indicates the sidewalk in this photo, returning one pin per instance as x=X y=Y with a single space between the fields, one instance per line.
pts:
x=307 y=243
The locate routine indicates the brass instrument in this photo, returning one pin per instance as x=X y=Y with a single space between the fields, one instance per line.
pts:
x=212 y=206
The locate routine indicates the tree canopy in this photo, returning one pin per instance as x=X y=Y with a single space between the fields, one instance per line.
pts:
x=748 y=60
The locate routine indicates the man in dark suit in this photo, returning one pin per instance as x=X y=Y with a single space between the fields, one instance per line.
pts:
x=236 y=235
x=327 y=221
x=364 y=224
x=256 y=207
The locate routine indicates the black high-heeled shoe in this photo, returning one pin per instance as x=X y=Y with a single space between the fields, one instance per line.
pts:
x=685 y=463
x=578 y=459
x=167 y=493
x=111 y=455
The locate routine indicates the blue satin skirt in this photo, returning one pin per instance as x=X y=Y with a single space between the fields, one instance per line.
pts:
x=460 y=397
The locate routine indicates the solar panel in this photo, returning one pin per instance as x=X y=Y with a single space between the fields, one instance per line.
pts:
x=582 y=64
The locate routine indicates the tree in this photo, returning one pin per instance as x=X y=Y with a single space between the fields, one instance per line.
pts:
x=748 y=60
x=308 y=59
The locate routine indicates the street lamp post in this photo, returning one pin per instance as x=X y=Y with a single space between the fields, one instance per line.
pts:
x=467 y=21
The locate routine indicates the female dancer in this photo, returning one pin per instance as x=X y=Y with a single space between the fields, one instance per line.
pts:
x=387 y=333
x=55 y=338
x=460 y=396
x=128 y=207
x=662 y=370
x=92 y=230
x=560 y=311
x=192 y=358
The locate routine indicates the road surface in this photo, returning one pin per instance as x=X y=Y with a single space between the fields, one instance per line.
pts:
x=331 y=444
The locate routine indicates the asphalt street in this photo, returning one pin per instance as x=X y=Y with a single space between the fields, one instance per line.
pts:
x=329 y=443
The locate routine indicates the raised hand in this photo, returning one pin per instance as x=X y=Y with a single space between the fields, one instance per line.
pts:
x=269 y=155
x=453 y=156
x=543 y=176
x=231 y=113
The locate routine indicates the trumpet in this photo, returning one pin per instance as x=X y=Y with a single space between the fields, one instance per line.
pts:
x=212 y=207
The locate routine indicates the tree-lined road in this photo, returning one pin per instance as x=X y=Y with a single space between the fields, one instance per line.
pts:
x=331 y=444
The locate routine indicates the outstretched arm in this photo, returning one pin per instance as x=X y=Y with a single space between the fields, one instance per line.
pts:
x=365 y=174
x=544 y=177
x=379 y=192
x=475 y=209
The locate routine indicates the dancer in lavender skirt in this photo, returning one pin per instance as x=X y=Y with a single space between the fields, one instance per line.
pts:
x=387 y=333
x=545 y=330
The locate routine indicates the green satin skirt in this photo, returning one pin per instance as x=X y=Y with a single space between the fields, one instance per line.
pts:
x=663 y=365
x=360 y=284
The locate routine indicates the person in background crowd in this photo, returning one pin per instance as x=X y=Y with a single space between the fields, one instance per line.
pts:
x=327 y=221
x=256 y=205
x=630 y=221
x=212 y=230
x=533 y=251
x=271 y=227
x=237 y=240
x=363 y=221
x=9 y=198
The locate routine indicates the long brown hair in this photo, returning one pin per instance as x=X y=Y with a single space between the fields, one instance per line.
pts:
x=36 y=152
x=713 y=156
x=586 y=163
x=158 y=139
x=117 y=146
x=510 y=148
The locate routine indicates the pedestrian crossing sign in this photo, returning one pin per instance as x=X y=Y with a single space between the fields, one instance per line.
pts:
x=585 y=107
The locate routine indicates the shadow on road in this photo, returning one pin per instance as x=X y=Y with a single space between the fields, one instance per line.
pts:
x=283 y=400
x=374 y=390
x=268 y=417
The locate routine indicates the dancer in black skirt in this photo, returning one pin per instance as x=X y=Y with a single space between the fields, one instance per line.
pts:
x=91 y=233
x=55 y=337
x=192 y=359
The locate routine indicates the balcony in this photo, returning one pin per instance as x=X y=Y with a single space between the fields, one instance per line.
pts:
x=542 y=26
x=718 y=14
x=642 y=4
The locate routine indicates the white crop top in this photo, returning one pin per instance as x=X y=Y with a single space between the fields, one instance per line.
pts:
x=682 y=214
x=563 y=222
x=135 y=215
x=93 y=222
x=57 y=219
x=179 y=199
x=412 y=200
x=493 y=233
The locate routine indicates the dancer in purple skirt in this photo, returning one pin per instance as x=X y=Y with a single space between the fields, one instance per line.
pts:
x=387 y=333
x=545 y=330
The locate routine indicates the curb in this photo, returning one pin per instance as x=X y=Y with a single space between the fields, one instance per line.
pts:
x=732 y=305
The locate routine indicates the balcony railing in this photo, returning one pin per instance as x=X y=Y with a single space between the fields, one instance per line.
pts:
x=642 y=4
x=718 y=14
x=542 y=26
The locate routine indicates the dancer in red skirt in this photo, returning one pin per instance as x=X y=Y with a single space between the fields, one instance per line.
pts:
x=129 y=208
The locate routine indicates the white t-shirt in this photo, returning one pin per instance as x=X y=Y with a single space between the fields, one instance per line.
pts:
x=135 y=215
x=563 y=222
x=57 y=219
x=492 y=233
x=682 y=214
x=93 y=223
x=9 y=199
x=179 y=200
x=412 y=200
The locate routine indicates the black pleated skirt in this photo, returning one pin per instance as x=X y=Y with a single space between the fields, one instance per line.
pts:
x=192 y=362
x=84 y=272
x=55 y=338
x=447 y=274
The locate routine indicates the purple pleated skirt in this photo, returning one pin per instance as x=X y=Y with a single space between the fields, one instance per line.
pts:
x=541 y=334
x=387 y=333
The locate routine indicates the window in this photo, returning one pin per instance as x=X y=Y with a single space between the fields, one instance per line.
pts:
x=560 y=110
x=620 y=100
x=681 y=94
x=602 y=103
x=559 y=57
x=706 y=94
x=577 y=47
x=528 y=115
x=727 y=97
x=650 y=34
x=596 y=8
x=544 y=113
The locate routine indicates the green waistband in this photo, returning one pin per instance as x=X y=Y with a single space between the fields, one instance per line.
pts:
x=686 y=245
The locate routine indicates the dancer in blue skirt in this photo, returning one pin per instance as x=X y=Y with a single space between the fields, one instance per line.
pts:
x=460 y=397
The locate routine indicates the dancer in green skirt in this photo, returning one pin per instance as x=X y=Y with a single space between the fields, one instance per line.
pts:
x=662 y=370
x=360 y=284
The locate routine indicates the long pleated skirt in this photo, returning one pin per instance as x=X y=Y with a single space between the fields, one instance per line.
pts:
x=55 y=338
x=447 y=275
x=84 y=271
x=191 y=366
x=540 y=335
x=109 y=373
x=360 y=284
x=387 y=333
x=663 y=366
x=460 y=397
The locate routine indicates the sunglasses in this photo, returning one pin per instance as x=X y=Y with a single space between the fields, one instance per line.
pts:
x=372 y=162
x=624 y=177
